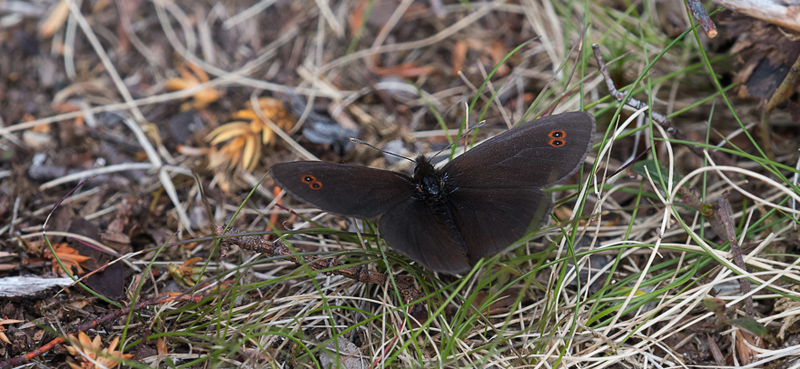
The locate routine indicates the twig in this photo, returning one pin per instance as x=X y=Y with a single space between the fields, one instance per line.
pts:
x=780 y=95
x=699 y=14
x=661 y=119
x=361 y=273
x=690 y=199
x=736 y=250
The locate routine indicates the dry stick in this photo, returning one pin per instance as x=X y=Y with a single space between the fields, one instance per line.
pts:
x=94 y=323
x=361 y=273
x=736 y=250
x=700 y=15
x=658 y=118
x=691 y=199
x=716 y=353
x=780 y=95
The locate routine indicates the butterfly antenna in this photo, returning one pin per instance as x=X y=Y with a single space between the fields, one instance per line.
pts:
x=463 y=135
x=355 y=140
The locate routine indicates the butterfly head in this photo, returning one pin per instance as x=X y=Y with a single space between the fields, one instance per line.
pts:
x=430 y=185
x=423 y=169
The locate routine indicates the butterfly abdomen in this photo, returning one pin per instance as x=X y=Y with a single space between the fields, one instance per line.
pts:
x=444 y=214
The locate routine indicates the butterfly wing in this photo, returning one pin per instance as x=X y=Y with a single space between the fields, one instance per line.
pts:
x=414 y=230
x=496 y=193
x=491 y=220
x=407 y=224
x=535 y=154
x=342 y=189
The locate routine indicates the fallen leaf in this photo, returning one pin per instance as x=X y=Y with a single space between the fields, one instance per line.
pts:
x=58 y=15
x=68 y=256
x=89 y=354
x=245 y=137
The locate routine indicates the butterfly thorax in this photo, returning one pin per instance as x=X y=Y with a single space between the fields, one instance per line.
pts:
x=432 y=189
x=430 y=186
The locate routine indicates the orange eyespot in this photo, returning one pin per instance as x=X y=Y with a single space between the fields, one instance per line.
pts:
x=311 y=181
x=557 y=138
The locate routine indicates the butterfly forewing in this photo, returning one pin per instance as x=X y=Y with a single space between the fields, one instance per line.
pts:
x=349 y=190
x=536 y=154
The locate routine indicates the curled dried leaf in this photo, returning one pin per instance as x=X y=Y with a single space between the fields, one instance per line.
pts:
x=187 y=274
x=57 y=17
x=246 y=136
x=89 y=354
x=68 y=256
x=189 y=78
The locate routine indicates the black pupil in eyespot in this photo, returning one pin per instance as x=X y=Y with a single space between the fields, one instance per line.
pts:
x=315 y=185
x=557 y=143
x=557 y=134
x=307 y=179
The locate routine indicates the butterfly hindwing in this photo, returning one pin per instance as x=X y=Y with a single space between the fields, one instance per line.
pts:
x=414 y=230
x=491 y=220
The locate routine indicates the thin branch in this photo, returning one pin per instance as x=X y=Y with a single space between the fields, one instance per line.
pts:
x=361 y=273
x=736 y=250
x=699 y=14
x=661 y=119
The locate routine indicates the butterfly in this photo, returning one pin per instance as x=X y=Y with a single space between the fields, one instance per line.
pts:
x=475 y=206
